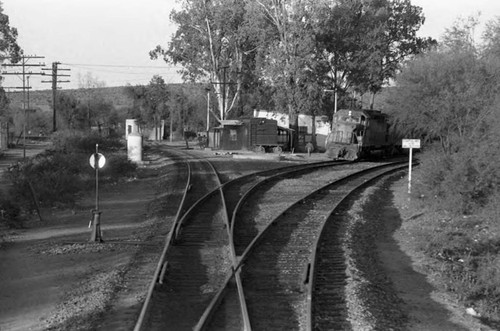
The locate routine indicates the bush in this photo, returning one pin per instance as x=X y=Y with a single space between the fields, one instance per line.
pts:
x=118 y=165
x=57 y=177
x=462 y=182
x=54 y=177
x=65 y=141
x=9 y=211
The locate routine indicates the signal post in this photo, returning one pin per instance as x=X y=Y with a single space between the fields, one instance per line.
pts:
x=97 y=161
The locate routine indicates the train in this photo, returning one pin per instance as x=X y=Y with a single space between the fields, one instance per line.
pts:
x=358 y=134
x=355 y=134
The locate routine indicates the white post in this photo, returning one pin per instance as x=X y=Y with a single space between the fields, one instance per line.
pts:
x=335 y=103
x=411 y=144
x=409 y=171
x=208 y=110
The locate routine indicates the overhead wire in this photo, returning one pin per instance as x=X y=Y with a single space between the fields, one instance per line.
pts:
x=128 y=70
x=120 y=66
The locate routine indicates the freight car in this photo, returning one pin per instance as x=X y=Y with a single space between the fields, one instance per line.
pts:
x=264 y=135
x=258 y=134
x=359 y=133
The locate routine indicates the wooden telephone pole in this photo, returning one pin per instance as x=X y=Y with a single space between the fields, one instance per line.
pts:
x=55 y=75
x=25 y=78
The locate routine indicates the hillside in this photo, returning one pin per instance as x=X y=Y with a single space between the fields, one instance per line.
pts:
x=43 y=99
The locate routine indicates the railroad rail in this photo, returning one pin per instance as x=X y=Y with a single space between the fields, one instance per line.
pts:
x=276 y=265
x=198 y=284
x=198 y=183
x=185 y=233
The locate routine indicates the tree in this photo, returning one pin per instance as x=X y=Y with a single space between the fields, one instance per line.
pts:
x=391 y=39
x=151 y=103
x=491 y=38
x=8 y=41
x=286 y=54
x=4 y=102
x=68 y=107
x=156 y=96
x=210 y=47
x=364 y=42
x=446 y=94
x=460 y=36
x=90 y=86
x=137 y=93
x=9 y=49
x=449 y=97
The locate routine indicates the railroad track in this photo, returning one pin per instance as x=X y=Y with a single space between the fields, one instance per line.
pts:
x=277 y=267
x=179 y=281
x=197 y=284
x=121 y=312
x=199 y=255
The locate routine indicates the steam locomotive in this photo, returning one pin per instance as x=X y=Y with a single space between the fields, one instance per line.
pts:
x=358 y=134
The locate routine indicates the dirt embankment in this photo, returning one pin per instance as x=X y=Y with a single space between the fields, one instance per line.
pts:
x=390 y=285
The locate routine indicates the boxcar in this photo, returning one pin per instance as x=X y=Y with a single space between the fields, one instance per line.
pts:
x=257 y=134
x=264 y=135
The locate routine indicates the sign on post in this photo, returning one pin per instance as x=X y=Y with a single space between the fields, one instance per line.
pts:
x=97 y=161
x=411 y=144
x=101 y=160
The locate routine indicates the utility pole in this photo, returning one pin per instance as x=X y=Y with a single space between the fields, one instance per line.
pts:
x=25 y=78
x=54 y=82
x=224 y=83
x=224 y=93
x=208 y=108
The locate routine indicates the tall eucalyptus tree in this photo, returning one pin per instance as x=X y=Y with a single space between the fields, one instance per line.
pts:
x=211 y=47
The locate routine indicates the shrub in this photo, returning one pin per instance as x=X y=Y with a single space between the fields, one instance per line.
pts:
x=462 y=182
x=57 y=177
x=118 y=165
x=54 y=178
x=65 y=141
x=9 y=211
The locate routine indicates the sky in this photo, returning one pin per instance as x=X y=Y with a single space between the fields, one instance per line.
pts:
x=111 y=39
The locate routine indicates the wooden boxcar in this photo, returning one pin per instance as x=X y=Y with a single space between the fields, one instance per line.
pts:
x=257 y=134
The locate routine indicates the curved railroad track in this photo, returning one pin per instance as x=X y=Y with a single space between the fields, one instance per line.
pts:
x=169 y=167
x=197 y=284
x=181 y=268
x=198 y=256
x=276 y=264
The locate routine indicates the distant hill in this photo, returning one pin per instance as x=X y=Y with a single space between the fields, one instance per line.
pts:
x=43 y=99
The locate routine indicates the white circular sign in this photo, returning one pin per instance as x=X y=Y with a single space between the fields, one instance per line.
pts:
x=101 y=160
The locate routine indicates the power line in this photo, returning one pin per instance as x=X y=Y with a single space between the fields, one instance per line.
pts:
x=54 y=81
x=120 y=66
x=25 y=78
x=122 y=72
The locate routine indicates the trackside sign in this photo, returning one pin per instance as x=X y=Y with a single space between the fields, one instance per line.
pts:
x=411 y=143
